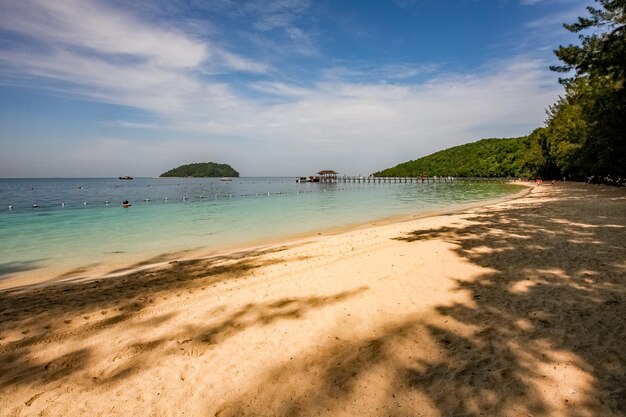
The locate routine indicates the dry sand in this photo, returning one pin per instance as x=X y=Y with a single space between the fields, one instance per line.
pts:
x=513 y=309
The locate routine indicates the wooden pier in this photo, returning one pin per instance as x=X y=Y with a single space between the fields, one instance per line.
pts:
x=416 y=180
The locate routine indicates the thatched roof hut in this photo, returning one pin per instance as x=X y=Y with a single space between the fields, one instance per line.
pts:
x=328 y=175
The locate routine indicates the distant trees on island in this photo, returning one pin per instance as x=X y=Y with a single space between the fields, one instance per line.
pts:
x=517 y=157
x=201 y=170
x=585 y=133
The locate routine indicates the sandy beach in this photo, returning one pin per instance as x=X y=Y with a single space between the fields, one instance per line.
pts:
x=511 y=309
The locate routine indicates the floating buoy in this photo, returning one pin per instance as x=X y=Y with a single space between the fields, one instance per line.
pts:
x=106 y=202
x=166 y=198
x=62 y=204
x=147 y=200
x=10 y=207
x=84 y=203
x=230 y=195
x=184 y=198
x=200 y=196
x=35 y=205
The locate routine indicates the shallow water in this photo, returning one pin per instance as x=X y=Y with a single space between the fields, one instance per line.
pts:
x=74 y=227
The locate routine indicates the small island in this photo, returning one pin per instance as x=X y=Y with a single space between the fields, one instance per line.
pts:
x=202 y=170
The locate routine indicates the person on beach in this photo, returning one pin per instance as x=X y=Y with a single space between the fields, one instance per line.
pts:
x=125 y=203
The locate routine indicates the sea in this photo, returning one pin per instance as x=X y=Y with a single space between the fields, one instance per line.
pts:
x=54 y=228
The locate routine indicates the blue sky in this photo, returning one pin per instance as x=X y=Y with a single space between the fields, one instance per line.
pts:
x=285 y=87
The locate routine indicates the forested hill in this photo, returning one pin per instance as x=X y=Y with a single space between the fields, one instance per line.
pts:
x=203 y=169
x=516 y=157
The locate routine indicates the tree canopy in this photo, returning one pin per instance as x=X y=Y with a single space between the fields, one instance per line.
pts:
x=586 y=128
x=600 y=53
x=516 y=157
x=203 y=169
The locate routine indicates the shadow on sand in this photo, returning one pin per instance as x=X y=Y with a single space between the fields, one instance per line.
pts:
x=552 y=302
x=9 y=268
x=63 y=311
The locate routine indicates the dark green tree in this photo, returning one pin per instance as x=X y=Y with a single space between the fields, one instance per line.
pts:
x=202 y=169
x=600 y=53
x=586 y=127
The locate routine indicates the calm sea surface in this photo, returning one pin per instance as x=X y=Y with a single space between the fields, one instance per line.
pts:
x=74 y=226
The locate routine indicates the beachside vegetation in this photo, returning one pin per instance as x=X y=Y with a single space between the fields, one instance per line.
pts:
x=201 y=170
x=583 y=135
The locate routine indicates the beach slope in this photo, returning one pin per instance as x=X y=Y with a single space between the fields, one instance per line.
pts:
x=513 y=309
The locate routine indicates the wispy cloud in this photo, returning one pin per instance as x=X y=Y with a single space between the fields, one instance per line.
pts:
x=373 y=116
x=108 y=55
x=281 y=89
x=390 y=72
x=97 y=28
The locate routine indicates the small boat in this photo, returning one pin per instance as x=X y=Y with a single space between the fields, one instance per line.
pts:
x=309 y=179
x=126 y=177
x=226 y=179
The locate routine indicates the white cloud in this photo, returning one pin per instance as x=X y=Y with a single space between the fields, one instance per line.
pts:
x=354 y=120
x=359 y=128
x=95 y=27
x=275 y=14
x=280 y=89
x=388 y=72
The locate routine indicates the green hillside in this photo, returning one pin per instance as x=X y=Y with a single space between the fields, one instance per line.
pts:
x=516 y=157
x=201 y=170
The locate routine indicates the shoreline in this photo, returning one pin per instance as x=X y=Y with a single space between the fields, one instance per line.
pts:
x=514 y=308
x=80 y=273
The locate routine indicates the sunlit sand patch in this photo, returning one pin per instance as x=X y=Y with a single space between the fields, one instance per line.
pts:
x=522 y=286
x=585 y=241
x=534 y=246
x=561 y=381
x=523 y=324
x=570 y=223
x=554 y=272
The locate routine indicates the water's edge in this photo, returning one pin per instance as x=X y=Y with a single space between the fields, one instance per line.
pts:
x=51 y=276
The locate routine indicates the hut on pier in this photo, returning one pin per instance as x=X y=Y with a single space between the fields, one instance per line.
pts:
x=328 y=175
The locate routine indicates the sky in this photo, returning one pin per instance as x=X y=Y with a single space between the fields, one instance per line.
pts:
x=95 y=88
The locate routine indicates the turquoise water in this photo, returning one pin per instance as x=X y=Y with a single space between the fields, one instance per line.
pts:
x=73 y=226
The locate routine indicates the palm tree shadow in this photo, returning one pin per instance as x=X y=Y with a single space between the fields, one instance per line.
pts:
x=547 y=314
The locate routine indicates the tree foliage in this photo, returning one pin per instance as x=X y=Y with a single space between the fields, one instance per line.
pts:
x=203 y=169
x=601 y=53
x=516 y=157
x=586 y=128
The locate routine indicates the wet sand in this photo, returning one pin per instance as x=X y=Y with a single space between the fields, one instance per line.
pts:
x=512 y=309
